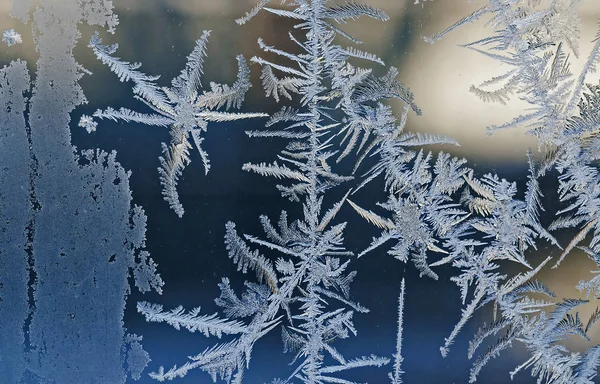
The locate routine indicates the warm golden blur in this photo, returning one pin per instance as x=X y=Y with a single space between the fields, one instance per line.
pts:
x=440 y=76
x=563 y=280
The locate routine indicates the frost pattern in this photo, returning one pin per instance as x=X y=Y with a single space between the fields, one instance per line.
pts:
x=436 y=207
x=534 y=39
x=16 y=213
x=11 y=37
x=396 y=374
x=305 y=287
x=179 y=107
x=70 y=237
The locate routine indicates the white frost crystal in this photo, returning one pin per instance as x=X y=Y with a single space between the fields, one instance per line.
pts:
x=88 y=123
x=11 y=37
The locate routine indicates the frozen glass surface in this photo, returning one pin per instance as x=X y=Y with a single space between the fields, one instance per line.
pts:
x=299 y=191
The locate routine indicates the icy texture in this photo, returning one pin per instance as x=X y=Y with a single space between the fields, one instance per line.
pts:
x=70 y=237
